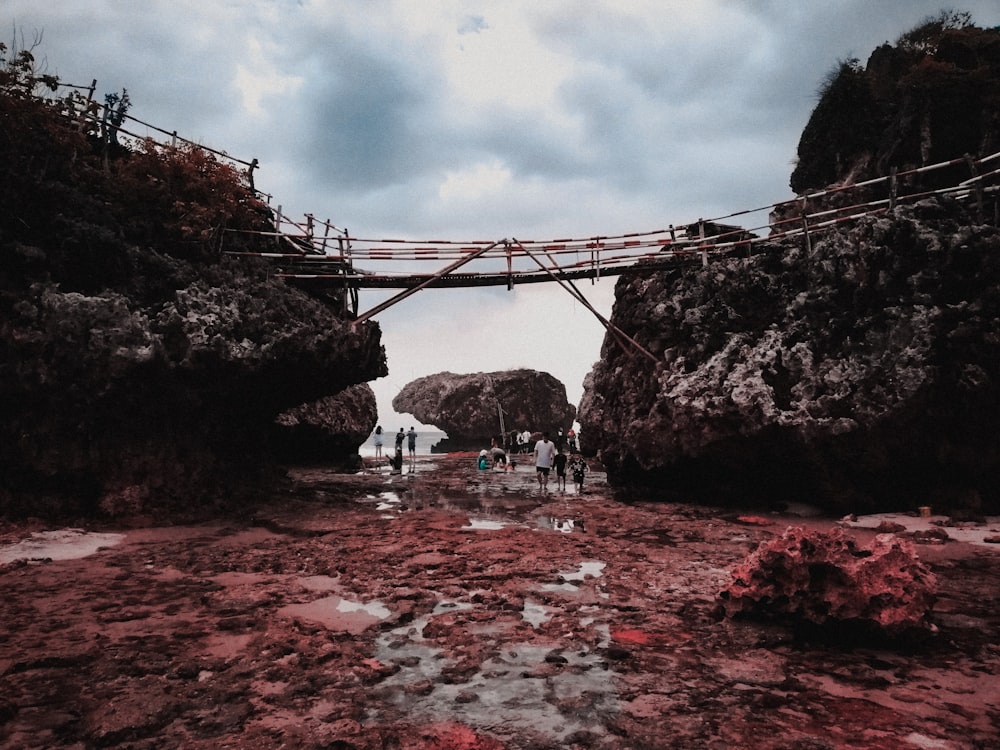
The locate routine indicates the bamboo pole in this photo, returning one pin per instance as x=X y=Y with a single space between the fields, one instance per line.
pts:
x=614 y=330
x=805 y=228
x=413 y=290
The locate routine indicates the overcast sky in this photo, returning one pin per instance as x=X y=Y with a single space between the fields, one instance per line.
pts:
x=469 y=121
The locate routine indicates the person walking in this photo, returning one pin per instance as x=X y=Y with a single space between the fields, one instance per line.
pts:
x=545 y=451
x=559 y=463
x=411 y=444
x=378 y=441
x=578 y=468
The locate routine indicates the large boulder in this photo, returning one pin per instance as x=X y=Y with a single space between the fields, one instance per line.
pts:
x=864 y=375
x=826 y=578
x=860 y=371
x=468 y=407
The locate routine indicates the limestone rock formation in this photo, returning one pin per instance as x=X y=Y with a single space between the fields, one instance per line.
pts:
x=931 y=97
x=465 y=406
x=860 y=370
x=328 y=430
x=826 y=578
x=863 y=376
x=140 y=367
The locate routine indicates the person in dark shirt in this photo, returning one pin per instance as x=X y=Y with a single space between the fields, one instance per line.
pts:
x=559 y=462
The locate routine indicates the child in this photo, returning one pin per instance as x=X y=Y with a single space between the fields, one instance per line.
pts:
x=578 y=467
x=559 y=462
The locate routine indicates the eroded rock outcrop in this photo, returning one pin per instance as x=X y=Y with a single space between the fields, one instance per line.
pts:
x=465 y=406
x=859 y=370
x=863 y=376
x=930 y=98
x=140 y=367
x=826 y=578
x=328 y=430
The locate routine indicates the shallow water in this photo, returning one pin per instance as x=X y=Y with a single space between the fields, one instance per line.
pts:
x=60 y=544
x=337 y=613
x=516 y=690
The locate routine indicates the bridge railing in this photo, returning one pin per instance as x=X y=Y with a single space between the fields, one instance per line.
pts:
x=396 y=260
x=102 y=120
x=334 y=251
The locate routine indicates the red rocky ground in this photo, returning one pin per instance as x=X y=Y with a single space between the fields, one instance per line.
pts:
x=454 y=608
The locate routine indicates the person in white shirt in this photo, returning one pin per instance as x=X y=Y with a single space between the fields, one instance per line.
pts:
x=525 y=440
x=545 y=451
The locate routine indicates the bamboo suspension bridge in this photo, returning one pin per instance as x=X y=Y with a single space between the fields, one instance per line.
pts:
x=320 y=253
x=312 y=251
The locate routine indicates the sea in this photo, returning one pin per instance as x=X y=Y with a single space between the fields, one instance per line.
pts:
x=425 y=439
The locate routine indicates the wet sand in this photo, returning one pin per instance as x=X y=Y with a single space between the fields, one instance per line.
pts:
x=456 y=608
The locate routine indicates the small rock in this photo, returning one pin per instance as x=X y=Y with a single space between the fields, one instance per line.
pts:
x=890 y=527
x=931 y=536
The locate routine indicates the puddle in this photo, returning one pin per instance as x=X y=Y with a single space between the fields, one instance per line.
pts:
x=592 y=568
x=389 y=501
x=61 y=544
x=485 y=524
x=562 y=525
x=442 y=607
x=521 y=688
x=535 y=614
x=318 y=583
x=970 y=533
x=227 y=646
x=513 y=506
x=339 y=614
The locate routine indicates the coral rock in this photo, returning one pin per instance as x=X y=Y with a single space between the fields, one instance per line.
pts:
x=827 y=578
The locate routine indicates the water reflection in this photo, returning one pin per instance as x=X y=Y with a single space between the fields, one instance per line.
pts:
x=60 y=544
x=487 y=524
x=562 y=525
x=337 y=613
x=534 y=613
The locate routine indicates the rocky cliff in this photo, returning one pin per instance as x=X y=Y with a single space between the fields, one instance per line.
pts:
x=858 y=371
x=865 y=375
x=140 y=368
x=932 y=97
x=465 y=406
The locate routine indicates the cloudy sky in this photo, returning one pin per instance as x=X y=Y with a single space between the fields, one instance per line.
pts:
x=481 y=120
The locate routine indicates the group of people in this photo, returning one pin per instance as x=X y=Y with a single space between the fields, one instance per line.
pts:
x=525 y=440
x=411 y=444
x=549 y=456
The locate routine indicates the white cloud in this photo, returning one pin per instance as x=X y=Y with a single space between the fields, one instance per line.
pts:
x=474 y=184
x=260 y=80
